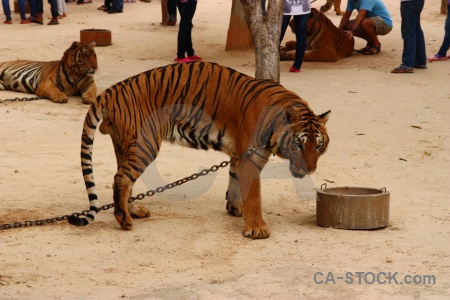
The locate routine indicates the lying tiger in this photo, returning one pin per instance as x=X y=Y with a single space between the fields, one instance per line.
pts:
x=54 y=80
x=325 y=42
x=202 y=106
x=329 y=4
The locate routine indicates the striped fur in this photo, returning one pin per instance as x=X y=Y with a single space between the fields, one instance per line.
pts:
x=325 y=42
x=54 y=80
x=202 y=106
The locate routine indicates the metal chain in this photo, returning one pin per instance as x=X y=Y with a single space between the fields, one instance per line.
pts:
x=140 y=196
x=21 y=99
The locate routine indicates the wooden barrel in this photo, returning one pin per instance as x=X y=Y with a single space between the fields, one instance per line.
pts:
x=101 y=37
x=16 y=7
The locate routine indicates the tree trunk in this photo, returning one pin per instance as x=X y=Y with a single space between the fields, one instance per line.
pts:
x=444 y=7
x=265 y=30
x=164 y=13
x=238 y=36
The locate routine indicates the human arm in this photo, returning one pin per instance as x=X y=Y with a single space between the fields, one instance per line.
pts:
x=344 y=20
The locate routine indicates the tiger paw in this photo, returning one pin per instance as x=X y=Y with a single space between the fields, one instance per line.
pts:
x=126 y=223
x=59 y=99
x=138 y=211
x=88 y=99
x=257 y=232
x=234 y=208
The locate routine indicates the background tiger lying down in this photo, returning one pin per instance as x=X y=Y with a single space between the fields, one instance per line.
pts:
x=55 y=80
x=325 y=42
x=203 y=106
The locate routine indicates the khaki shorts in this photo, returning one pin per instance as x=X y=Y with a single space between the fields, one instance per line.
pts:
x=381 y=27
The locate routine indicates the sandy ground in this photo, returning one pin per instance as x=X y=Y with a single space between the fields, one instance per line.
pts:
x=386 y=130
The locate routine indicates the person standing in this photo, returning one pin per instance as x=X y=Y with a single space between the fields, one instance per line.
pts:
x=414 y=54
x=300 y=11
x=186 y=9
x=7 y=12
x=442 y=54
x=373 y=19
x=54 y=11
x=172 y=11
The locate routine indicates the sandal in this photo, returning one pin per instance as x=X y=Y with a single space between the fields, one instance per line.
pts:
x=366 y=48
x=401 y=70
x=369 y=52
x=436 y=57
x=101 y=7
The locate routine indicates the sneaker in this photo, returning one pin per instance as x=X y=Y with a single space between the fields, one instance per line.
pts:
x=294 y=70
x=7 y=22
x=437 y=57
x=182 y=60
x=114 y=11
x=195 y=58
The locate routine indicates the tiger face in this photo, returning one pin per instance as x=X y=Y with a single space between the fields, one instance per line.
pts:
x=81 y=58
x=305 y=140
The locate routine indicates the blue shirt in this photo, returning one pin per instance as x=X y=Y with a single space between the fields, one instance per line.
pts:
x=373 y=7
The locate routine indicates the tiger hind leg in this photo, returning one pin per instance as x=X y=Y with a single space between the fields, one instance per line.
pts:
x=337 y=7
x=233 y=196
x=123 y=184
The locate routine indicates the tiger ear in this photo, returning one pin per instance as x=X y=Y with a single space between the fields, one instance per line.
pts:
x=324 y=117
x=75 y=45
x=291 y=115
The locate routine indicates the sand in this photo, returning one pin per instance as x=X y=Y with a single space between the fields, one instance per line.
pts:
x=387 y=131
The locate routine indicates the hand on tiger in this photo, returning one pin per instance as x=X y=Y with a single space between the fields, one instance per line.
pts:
x=349 y=34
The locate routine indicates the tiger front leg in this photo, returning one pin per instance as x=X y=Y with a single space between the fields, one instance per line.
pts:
x=250 y=185
x=89 y=94
x=233 y=196
x=47 y=89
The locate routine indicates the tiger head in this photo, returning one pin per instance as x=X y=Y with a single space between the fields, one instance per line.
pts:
x=303 y=140
x=81 y=59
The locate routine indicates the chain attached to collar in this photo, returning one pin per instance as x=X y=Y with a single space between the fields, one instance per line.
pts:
x=140 y=196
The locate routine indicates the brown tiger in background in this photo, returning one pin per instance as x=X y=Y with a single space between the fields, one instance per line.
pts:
x=54 y=80
x=202 y=105
x=325 y=42
x=329 y=4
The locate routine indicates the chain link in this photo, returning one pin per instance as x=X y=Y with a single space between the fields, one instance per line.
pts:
x=140 y=196
x=21 y=99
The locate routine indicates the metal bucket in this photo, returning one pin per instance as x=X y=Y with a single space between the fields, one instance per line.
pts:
x=352 y=207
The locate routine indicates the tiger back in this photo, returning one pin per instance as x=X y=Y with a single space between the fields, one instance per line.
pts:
x=54 y=80
x=202 y=106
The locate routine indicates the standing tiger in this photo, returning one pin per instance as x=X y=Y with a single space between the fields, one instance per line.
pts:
x=203 y=106
x=54 y=80
x=325 y=42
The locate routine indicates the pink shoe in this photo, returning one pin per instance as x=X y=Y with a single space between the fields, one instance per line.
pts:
x=436 y=57
x=182 y=60
x=294 y=70
x=195 y=58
